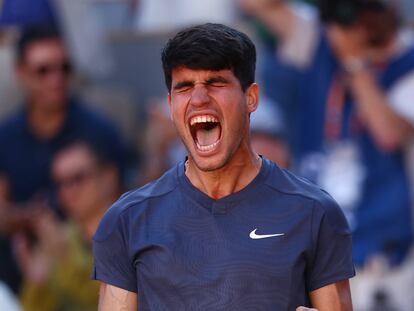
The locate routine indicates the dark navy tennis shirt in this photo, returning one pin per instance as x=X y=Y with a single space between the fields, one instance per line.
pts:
x=262 y=248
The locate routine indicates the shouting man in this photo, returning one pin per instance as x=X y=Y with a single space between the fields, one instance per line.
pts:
x=226 y=229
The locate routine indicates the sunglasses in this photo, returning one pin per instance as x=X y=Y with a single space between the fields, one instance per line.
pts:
x=44 y=70
x=74 y=179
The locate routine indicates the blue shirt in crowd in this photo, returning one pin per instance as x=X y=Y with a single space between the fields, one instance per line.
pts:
x=383 y=221
x=262 y=248
x=25 y=161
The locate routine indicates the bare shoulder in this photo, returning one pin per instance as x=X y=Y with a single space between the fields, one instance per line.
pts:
x=112 y=298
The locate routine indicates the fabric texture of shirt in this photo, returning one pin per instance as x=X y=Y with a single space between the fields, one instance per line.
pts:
x=264 y=247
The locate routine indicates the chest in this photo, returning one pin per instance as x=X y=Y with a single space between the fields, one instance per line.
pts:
x=242 y=250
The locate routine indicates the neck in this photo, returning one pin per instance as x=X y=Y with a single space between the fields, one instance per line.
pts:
x=234 y=176
x=46 y=123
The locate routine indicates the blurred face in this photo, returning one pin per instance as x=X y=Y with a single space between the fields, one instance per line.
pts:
x=380 y=27
x=44 y=72
x=273 y=149
x=77 y=179
x=211 y=113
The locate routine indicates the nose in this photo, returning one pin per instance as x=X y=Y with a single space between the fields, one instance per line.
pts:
x=199 y=95
x=57 y=79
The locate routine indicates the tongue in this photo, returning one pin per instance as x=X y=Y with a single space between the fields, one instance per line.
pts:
x=208 y=137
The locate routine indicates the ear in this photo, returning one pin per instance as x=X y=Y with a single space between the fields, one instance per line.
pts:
x=170 y=105
x=252 y=97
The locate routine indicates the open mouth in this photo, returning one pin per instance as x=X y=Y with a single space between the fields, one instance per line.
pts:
x=206 y=132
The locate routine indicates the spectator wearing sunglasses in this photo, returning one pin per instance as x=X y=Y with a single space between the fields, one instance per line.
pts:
x=57 y=271
x=49 y=118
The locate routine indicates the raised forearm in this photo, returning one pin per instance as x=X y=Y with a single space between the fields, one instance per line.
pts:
x=276 y=15
x=389 y=130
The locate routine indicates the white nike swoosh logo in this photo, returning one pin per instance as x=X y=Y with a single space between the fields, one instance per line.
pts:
x=255 y=236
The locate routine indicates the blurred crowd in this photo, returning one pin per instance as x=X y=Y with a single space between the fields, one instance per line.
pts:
x=84 y=117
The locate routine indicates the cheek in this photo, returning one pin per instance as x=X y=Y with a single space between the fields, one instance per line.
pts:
x=177 y=114
x=237 y=113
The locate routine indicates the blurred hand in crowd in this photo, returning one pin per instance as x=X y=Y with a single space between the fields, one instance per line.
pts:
x=37 y=250
x=160 y=136
x=16 y=218
x=348 y=42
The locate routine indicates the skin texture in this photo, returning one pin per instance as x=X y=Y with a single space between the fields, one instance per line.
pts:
x=333 y=297
x=232 y=164
x=113 y=298
x=228 y=168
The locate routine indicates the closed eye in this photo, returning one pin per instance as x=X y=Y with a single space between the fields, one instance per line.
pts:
x=217 y=82
x=183 y=86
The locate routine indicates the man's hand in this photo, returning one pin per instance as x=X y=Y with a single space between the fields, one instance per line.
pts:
x=305 y=309
x=36 y=258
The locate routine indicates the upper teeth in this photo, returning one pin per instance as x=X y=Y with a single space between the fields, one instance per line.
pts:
x=202 y=119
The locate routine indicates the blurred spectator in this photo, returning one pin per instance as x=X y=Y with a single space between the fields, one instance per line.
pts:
x=163 y=148
x=267 y=133
x=8 y=84
x=355 y=118
x=49 y=119
x=56 y=267
x=155 y=15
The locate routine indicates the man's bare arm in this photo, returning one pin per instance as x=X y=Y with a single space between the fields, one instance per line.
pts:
x=276 y=15
x=333 y=297
x=112 y=298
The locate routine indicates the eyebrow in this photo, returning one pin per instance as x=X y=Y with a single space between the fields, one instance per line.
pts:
x=209 y=81
x=216 y=79
x=183 y=84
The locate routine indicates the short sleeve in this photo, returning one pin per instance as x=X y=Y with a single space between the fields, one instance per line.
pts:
x=112 y=263
x=401 y=97
x=332 y=246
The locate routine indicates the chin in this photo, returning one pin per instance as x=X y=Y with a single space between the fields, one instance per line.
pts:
x=209 y=164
